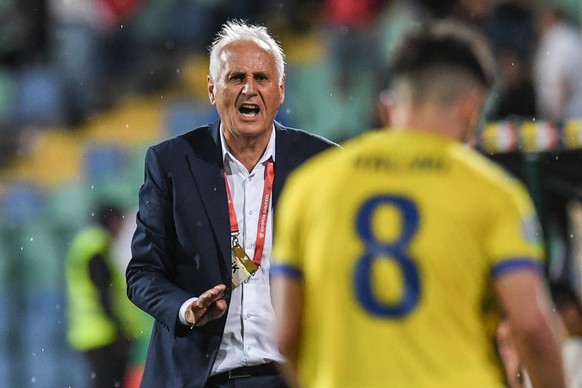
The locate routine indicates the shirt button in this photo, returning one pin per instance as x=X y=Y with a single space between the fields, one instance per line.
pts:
x=251 y=213
x=249 y=348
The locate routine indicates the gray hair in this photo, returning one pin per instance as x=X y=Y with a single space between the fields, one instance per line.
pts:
x=236 y=31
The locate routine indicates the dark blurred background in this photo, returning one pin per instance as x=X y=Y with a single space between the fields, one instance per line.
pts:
x=87 y=85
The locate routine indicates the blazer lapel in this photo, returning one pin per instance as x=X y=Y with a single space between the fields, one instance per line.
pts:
x=286 y=160
x=206 y=167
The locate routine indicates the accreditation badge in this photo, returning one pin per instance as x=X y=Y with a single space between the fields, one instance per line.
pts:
x=243 y=267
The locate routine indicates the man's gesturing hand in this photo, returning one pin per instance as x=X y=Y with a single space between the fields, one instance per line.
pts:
x=210 y=305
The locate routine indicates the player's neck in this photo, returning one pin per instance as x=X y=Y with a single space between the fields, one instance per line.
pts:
x=432 y=119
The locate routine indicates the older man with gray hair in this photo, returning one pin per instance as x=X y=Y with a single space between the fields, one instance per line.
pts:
x=201 y=252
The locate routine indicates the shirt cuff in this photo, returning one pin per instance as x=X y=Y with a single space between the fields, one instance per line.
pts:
x=182 y=312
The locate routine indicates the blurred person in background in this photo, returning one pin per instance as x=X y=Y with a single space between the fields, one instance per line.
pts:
x=516 y=94
x=512 y=34
x=569 y=308
x=394 y=258
x=202 y=248
x=23 y=27
x=92 y=51
x=557 y=64
x=475 y=13
x=121 y=250
x=102 y=322
x=351 y=38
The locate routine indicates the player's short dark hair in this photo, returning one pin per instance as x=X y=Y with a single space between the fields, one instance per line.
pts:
x=444 y=44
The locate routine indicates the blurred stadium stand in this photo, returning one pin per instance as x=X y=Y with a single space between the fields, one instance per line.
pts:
x=39 y=96
x=182 y=115
x=47 y=192
x=53 y=172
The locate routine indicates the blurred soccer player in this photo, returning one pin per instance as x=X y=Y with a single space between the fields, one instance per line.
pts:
x=395 y=256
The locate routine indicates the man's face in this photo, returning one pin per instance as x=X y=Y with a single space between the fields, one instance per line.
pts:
x=247 y=94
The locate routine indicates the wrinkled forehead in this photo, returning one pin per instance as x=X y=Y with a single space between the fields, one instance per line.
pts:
x=246 y=50
x=246 y=43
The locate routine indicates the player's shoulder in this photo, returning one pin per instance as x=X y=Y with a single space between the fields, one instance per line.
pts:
x=492 y=176
x=320 y=164
x=301 y=141
x=333 y=162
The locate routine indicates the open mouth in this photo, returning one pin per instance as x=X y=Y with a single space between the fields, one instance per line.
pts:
x=249 y=110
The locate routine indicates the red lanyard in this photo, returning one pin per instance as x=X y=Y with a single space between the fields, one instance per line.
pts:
x=263 y=213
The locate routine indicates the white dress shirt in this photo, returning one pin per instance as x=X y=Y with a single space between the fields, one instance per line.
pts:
x=250 y=332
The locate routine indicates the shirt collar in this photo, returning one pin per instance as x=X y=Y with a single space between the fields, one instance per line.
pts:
x=269 y=151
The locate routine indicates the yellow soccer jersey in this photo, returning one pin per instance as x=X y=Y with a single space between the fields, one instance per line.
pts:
x=396 y=238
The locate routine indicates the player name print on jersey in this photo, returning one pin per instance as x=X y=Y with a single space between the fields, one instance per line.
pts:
x=387 y=163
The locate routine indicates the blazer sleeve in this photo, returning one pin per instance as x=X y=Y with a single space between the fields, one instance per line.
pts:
x=152 y=265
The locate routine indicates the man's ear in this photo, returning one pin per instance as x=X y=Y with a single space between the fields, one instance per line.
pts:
x=282 y=87
x=211 y=96
x=385 y=107
x=471 y=110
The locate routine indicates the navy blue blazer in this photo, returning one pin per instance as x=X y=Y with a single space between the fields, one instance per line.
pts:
x=181 y=246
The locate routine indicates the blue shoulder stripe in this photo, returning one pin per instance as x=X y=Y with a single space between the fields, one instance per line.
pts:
x=286 y=270
x=516 y=264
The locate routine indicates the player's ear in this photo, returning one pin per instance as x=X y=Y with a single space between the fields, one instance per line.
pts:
x=385 y=107
x=470 y=111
